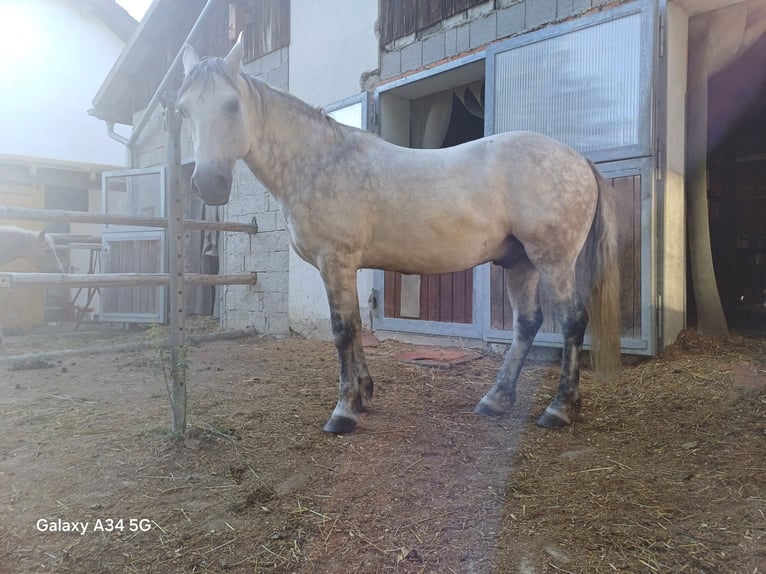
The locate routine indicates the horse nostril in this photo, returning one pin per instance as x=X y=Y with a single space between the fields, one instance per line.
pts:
x=211 y=186
x=222 y=183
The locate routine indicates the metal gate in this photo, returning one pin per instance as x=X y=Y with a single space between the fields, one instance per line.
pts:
x=131 y=249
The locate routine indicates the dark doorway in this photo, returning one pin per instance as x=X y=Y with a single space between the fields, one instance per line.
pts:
x=446 y=297
x=737 y=187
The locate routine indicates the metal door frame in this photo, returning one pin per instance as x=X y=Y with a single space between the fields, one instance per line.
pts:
x=120 y=233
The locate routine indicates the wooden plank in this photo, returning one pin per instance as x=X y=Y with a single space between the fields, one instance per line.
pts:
x=432 y=297
x=497 y=298
x=468 y=296
x=460 y=313
x=117 y=279
x=398 y=18
x=390 y=303
x=446 y=300
x=429 y=12
x=11 y=212
x=627 y=207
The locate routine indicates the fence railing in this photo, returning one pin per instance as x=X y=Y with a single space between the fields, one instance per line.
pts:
x=175 y=227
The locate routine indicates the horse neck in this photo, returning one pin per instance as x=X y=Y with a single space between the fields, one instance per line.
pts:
x=289 y=137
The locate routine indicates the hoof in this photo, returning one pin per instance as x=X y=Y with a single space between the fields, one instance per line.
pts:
x=552 y=419
x=339 y=425
x=487 y=410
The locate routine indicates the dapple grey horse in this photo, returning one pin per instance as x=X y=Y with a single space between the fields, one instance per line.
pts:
x=351 y=201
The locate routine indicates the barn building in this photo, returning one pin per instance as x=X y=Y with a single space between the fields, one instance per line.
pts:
x=52 y=153
x=655 y=92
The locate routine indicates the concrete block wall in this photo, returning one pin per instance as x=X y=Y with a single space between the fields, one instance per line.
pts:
x=474 y=29
x=150 y=147
x=263 y=306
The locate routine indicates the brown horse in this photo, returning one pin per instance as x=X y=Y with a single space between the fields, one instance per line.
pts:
x=352 y=201
x=35 y=247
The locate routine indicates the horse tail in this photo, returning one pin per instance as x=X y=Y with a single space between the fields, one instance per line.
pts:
x=600 y=282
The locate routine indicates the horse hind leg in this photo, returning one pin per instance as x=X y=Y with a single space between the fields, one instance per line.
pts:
x=522 y=283
x=573 y=319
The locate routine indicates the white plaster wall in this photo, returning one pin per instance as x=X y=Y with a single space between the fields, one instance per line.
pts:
x=331 y=45
x=330 y=48
x=53 y=62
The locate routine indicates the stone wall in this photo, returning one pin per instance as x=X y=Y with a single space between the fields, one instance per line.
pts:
x=263 y=306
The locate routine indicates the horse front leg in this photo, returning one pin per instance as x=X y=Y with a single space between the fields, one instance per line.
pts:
x=574 y=321
x=355 y=386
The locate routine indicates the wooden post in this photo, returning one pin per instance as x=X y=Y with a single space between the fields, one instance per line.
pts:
x=175 y=241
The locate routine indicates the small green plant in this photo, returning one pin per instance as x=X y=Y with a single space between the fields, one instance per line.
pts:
x=163 y=362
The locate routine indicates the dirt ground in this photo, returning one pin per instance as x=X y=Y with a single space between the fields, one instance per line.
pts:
x=664 y=472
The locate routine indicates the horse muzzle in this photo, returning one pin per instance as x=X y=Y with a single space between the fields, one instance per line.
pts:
x=212 y=186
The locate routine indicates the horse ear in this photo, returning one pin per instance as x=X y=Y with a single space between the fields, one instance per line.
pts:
x=233 y=59
x=190 y=58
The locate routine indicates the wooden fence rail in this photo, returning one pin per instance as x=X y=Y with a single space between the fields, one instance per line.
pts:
x=117 y=279
x=22 y=213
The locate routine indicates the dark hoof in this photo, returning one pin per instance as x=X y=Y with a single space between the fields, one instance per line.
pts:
x=339 y=425
x=551 y=420
x=484 y=409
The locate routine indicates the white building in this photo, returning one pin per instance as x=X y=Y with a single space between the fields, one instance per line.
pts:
x=52 y=152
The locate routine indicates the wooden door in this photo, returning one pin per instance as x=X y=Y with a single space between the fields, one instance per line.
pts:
x=446 y=298
x=628 y=204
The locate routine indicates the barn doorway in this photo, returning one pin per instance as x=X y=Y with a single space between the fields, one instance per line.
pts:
x=446 y=297
x=437 y=111
x=737 y=187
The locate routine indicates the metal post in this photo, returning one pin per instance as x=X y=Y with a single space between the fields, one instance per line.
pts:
x=175 y=234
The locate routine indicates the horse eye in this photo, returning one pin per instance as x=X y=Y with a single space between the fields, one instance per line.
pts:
x=231 y=107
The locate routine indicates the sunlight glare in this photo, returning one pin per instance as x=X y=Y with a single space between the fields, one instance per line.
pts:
x=17 y=32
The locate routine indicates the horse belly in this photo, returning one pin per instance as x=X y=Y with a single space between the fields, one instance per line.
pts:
x=433 y=248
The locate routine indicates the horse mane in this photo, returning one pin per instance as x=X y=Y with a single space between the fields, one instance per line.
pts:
x=207 y=69
x=296 y=104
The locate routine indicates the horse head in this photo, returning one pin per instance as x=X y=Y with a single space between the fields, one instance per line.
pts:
x=213 y=109
x=43 y=254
